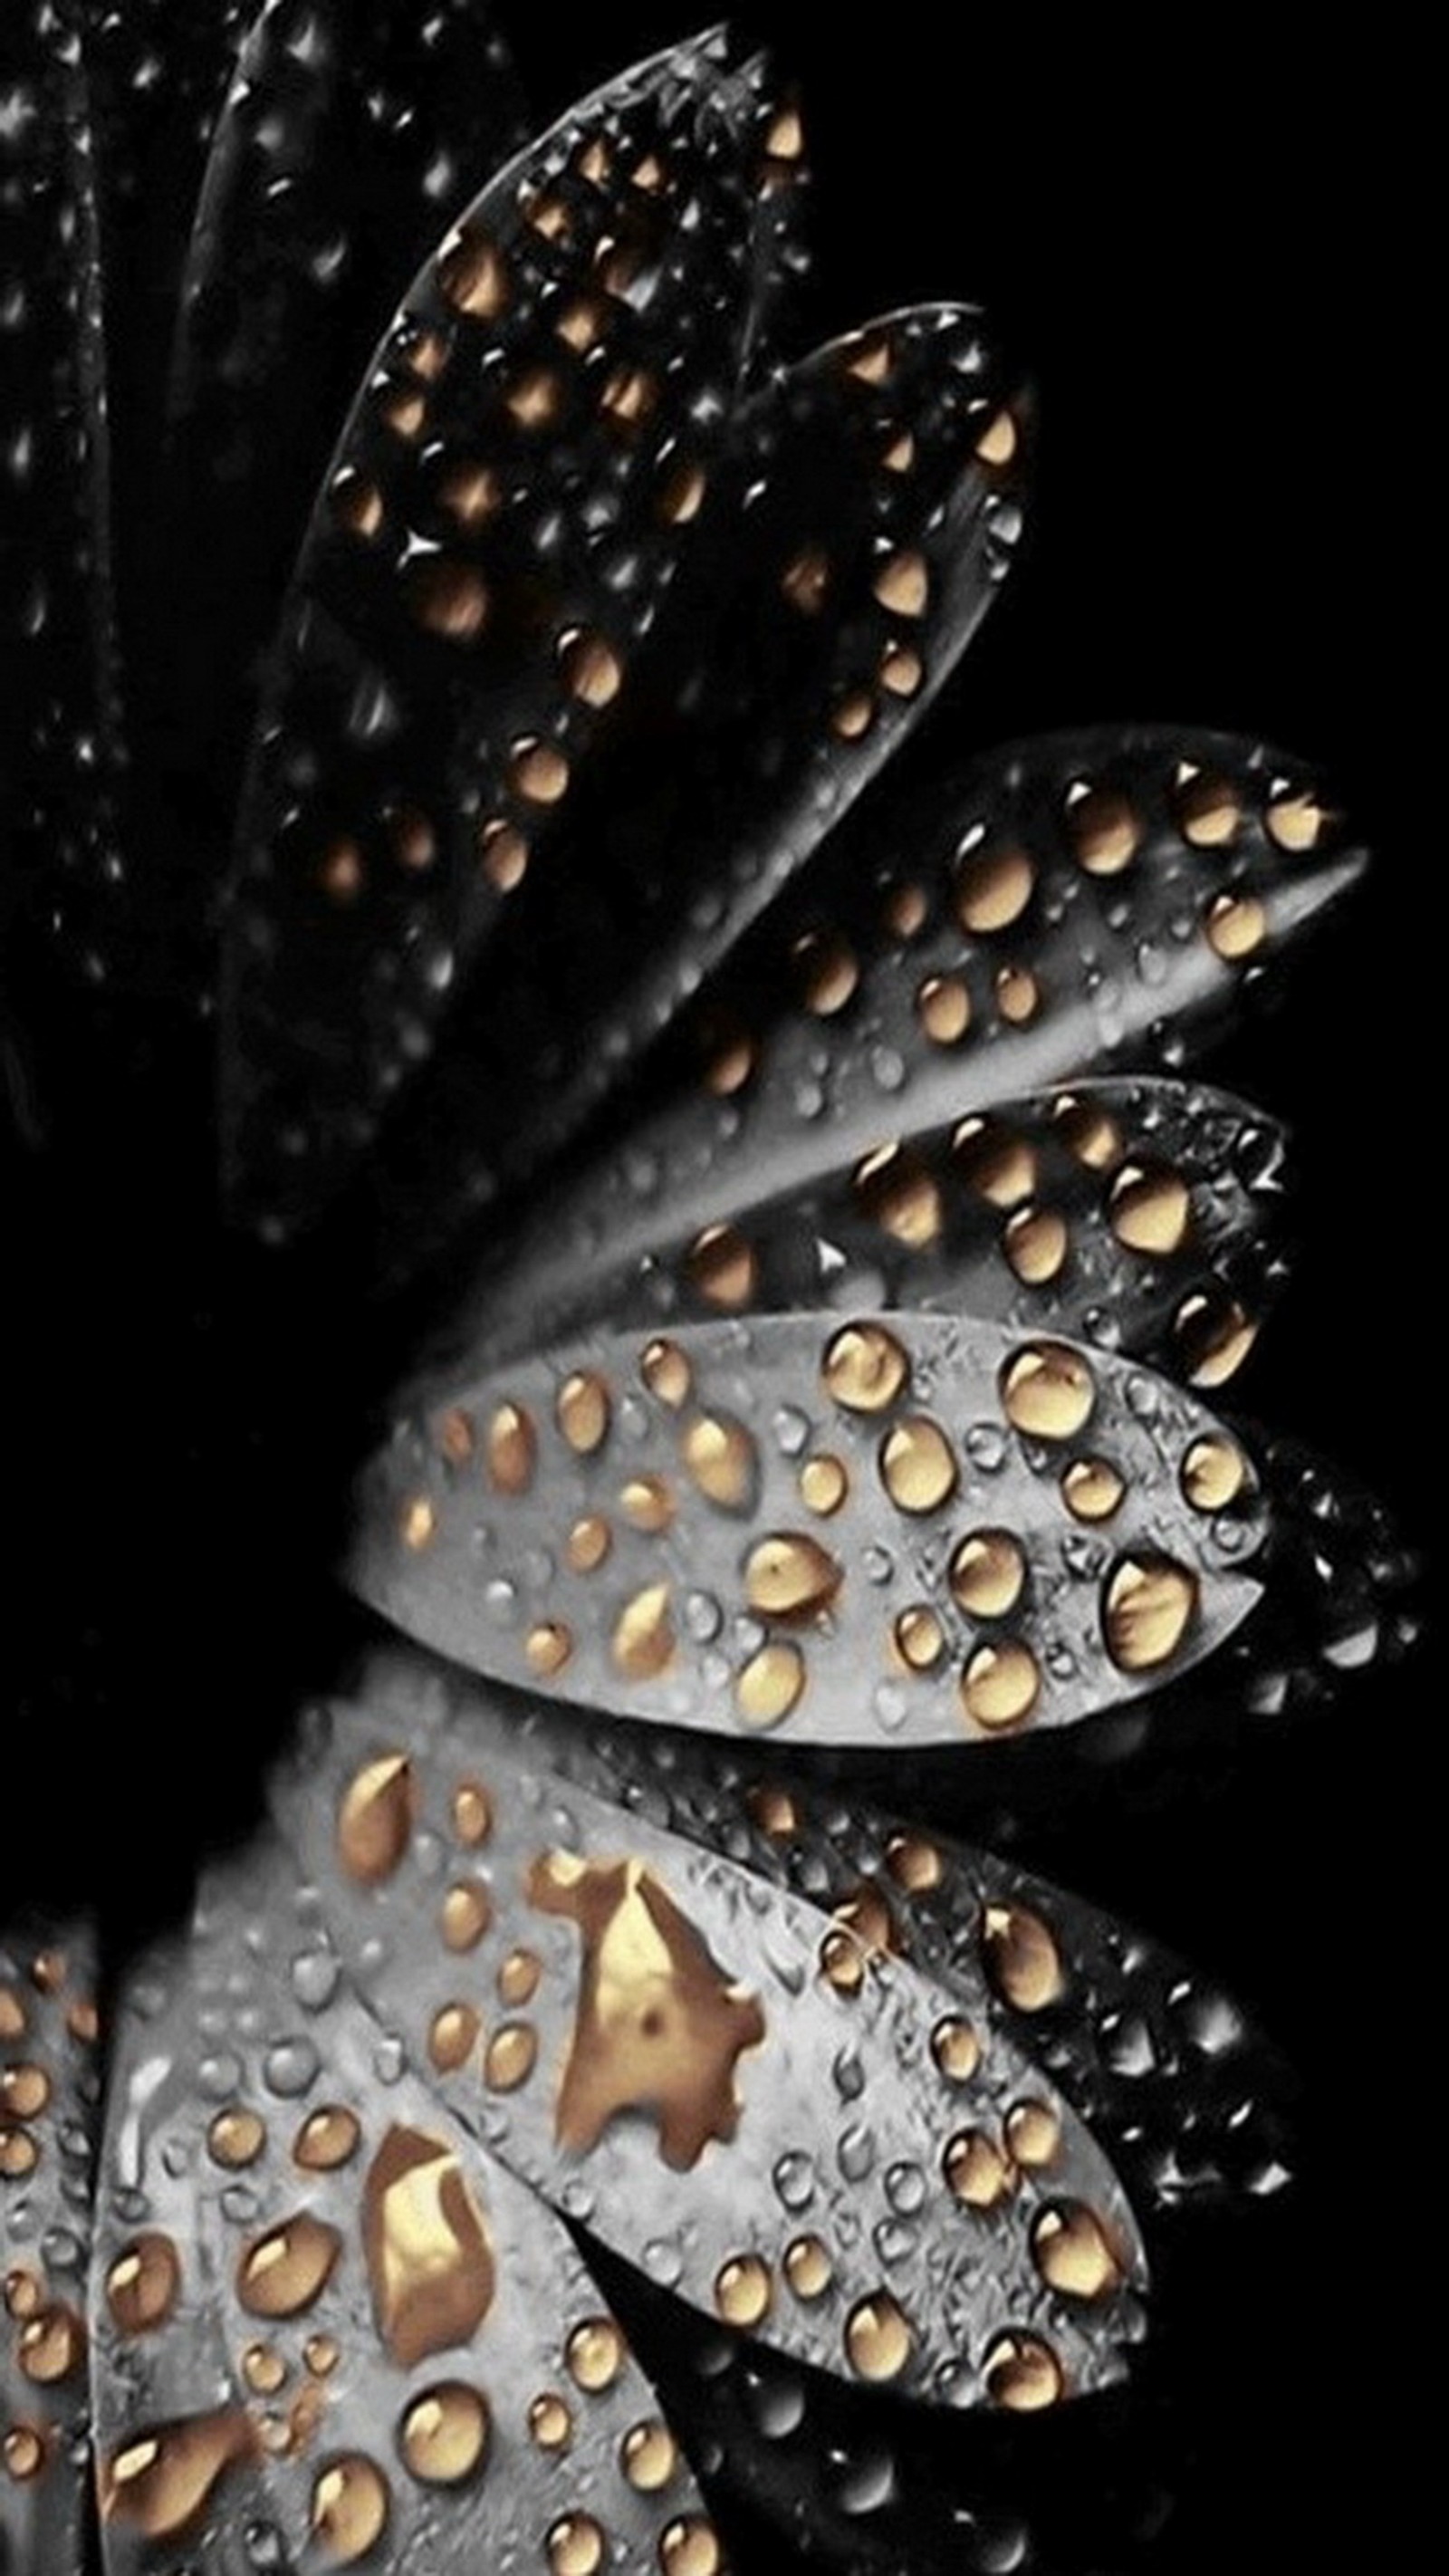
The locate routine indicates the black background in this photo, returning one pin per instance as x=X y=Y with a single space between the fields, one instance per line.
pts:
x=1195 y=251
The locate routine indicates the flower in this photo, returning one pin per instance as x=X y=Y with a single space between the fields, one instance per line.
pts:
x=828 y=1327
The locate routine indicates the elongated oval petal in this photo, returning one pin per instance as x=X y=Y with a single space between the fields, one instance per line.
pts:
x=847 y=1529
x=502 y=521
x=741 y=2094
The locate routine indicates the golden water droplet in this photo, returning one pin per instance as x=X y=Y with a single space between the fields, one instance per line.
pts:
x=83 y=2021
x=24 y=2092
x=321 y=2354
x=769 y=1686
x=901 y=669
x=878 y=2338
x=452 y=2037
x=1151 y=1208
x=666 y=1372
x=455 y=1436
x=943 y=1007
x=19 y=2154
x=472 y=276
x=236 y=2139
x=550 y=2423
x=647 y=1504
x=643 y=1640
x=919 y=1638
x=1236 y=926
x=444 y=2434
x=583 y=1410
x=263 y=2369
x=505 y=855
x=1022 y=2374
x=1208 y=812
x=828 y=972
x=1018 y=995
x=583 y=323
x=511 y=2055
x=533 y=398
x=998 y=1166
x=721 y=1457
x=286 y=2270
x=1295 y=821
x=589 y=1542
x=805 y=580
x=790 y=1576
x=956 y=2049
x=999 y=440
x=1048 y=1391
x=375 y=1823
x=918 y=1465
x=976 y=2170
x=903 y=583
x=419 y=1523
x=1021 y=1957
x=1214 y=1336
x=467 y=1911
x=1148 y=1606
x=1036 y=1244
x=649 y=2456
x=538 y=772
x=13 y=2019
x=1034 y=2135
x=682 y=495
x=905 y=910
x=721 y=1266
x=472 y=1813
x=404 y=411
x=162 y=2481
x=1092 y=1489
x=1073 y=2252
x=1103 y=830
x=595 y=2354
x=52 y=2344
x=351 y=2501
x=328 y=2138
x=471 y=494
x=429 y=2263
x=511 y=1449
x=142 y=2284
x=428 y=355
x=824 y=1484
x=1086 y=1131
x=690 y=2547
x=868 y=356
x=629 y=397
x=993 y=889
x=899 y=1196
x=731 y=1064
x=24 y=2295
x=23 y=2453
x=988 y=1570
x=549 y=216
x=357 y=503
x=450 y=600
x=518 y=1977
x=548 y=1647
x=808 y=2268
x=865 y=1368
x=914 y=1863
x=1213 y=1474
x=575 y=2546
x=785 y=135
x=1000 y=1686
x=841 y=1964
x=743 y=2291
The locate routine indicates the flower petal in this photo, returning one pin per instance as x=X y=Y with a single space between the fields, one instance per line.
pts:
x=1099 y=1212
x=747 y=2096
x=504 y=516
x=47 y=2116
x=349 y=136
x=60 y=748
x=412 y=2345
x=1060 y=907
x=852 y=1529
